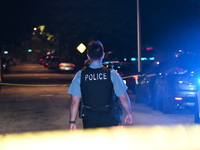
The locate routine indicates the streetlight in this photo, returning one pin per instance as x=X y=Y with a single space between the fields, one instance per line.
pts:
x=5 y=52
x=29 y=51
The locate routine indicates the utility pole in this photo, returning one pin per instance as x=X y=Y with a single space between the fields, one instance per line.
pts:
x=1 y=69
x=0 y=73
x=138 y=37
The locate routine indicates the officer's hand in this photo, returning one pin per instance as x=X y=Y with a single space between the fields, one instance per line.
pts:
x=72 y=127
x=128 y=119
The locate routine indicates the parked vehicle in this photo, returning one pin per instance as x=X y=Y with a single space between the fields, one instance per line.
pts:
x=42 y=59
x=47 y=60
x=145 y=90
x=11 y=62
x=53 y=62
x=5 y=65
x=126 y=70
x=171 y=85
x=65 y=66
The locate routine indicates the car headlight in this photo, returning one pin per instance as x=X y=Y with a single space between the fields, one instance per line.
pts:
x=4 y=65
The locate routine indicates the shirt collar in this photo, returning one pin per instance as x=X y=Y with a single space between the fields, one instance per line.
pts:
x=95 y=65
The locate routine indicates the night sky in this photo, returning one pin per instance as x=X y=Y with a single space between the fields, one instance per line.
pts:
x=171 y=24
x=165 y=24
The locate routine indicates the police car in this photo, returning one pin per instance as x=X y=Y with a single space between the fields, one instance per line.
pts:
x=172 y=85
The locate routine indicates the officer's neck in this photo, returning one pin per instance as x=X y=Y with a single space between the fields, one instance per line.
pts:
x=96 y=60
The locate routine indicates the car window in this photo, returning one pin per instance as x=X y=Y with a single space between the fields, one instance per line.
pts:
x=125 y=67
x=56 y=59
x=156 y=67
x=65 y=61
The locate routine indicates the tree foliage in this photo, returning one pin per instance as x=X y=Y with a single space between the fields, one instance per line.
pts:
x=82 y=21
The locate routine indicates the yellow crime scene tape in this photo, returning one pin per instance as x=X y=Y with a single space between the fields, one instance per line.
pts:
x=177 y=137
x=13 y=84
x=132 y=76
x=136 y=77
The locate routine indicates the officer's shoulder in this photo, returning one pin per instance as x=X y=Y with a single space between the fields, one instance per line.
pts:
x=105 y=68
x=78 y=73
x=114 y=72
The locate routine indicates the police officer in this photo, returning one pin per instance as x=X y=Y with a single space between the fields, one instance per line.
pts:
x=96 y=85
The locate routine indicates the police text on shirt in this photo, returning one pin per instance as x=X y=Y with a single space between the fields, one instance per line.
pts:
x=95 y=76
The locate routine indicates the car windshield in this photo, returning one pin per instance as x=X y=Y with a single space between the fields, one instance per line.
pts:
x=157 y=67
x=188 y=62
x=65 y=61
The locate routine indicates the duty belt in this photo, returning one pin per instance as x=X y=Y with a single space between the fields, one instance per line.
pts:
x=102 y=109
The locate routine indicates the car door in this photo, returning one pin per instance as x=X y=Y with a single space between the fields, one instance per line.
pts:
x=146 y=84
x=142 y=90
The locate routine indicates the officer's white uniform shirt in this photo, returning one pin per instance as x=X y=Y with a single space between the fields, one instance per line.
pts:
x=118 y=84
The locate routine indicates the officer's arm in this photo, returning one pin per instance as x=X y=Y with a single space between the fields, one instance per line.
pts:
x=74 y=107
x=125 y=101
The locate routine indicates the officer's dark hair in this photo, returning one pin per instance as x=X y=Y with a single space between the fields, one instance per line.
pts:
x=95 y=50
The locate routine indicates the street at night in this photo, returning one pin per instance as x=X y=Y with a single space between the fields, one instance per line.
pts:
x=152 y=46
x=42 y=103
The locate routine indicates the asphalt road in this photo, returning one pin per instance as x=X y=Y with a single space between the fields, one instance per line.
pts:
x=39 y=102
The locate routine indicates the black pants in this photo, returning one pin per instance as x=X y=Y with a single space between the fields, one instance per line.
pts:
x=93 y=119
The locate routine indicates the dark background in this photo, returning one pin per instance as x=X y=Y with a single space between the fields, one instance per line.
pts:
x=166 y=25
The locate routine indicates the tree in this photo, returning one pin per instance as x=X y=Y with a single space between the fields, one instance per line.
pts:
x=81 y=21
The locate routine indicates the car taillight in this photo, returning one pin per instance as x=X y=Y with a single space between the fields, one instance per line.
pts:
x=179 y=71
x=47 y=64
x=73 y=65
